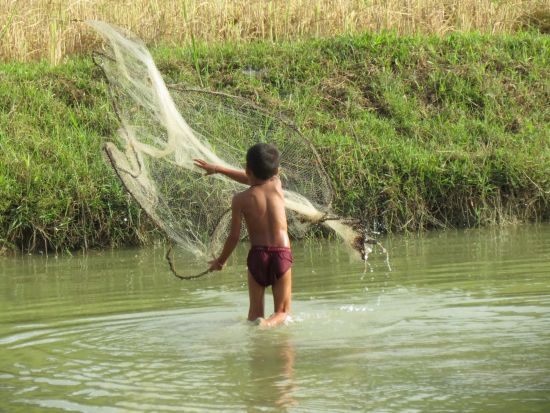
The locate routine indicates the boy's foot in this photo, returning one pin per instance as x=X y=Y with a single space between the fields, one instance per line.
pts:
x=272 y=321
x=260 y=321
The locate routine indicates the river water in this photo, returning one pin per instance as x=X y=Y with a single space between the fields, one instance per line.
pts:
x=456 y=321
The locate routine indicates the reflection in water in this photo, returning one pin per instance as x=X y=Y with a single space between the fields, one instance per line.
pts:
x=271 y=369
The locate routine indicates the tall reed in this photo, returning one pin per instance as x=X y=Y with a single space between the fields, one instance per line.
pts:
x=53 y=29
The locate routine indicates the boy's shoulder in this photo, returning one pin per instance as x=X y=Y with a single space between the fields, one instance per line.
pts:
x=273 y=183
x=264 y=189
x=239 y=198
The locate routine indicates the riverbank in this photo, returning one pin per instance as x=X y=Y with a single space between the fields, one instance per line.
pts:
x=416 y=132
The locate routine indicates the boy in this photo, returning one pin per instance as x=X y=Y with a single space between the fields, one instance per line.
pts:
x=262 y=206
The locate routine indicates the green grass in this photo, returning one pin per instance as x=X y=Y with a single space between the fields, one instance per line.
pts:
x=55 y=190
x=415 y=132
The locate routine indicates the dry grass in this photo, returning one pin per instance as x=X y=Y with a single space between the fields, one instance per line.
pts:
x=52 y=29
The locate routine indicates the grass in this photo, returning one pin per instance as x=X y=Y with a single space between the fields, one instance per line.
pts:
x=416 y=132
x=53 y=29
x=55 y=190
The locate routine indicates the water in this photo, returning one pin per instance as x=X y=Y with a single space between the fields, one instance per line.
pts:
x=461 y=323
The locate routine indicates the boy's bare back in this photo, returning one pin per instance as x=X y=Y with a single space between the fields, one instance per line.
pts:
x=263 y=208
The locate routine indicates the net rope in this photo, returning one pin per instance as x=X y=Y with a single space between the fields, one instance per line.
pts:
x=163 y=128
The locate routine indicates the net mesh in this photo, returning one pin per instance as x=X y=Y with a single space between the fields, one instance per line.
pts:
x=164 y=128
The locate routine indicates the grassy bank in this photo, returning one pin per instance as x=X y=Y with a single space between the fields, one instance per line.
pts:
x=416 y=132
x=53 y=29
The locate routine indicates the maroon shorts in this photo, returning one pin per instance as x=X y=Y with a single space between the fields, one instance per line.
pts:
x=268 y=264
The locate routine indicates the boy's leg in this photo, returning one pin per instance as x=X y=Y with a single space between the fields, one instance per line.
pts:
x=282 y=295
x=256 y=295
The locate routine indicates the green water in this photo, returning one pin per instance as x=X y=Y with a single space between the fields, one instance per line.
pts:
x=461 y=323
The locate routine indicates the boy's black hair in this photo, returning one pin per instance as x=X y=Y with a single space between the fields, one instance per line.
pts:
x=263 y=160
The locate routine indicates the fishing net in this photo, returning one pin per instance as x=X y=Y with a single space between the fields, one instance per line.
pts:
x=163 y=129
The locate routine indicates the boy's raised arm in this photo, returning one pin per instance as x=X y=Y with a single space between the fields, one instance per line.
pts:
x=239 y=176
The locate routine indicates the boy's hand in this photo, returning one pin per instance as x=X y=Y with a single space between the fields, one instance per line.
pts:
x=208 y=167
x=215 y=265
